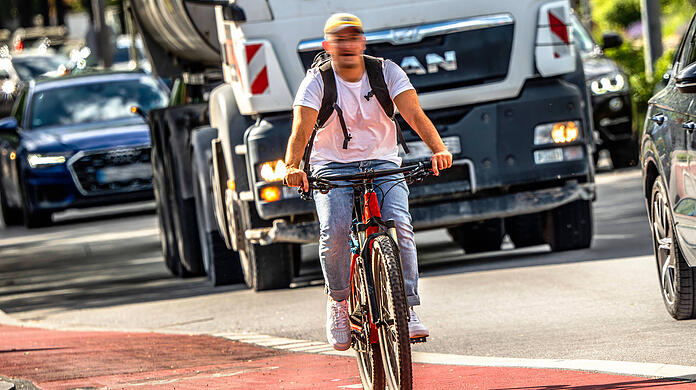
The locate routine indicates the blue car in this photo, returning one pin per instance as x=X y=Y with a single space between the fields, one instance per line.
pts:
x=74 y=142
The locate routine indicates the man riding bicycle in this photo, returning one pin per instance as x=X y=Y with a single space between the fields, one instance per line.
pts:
x=357 y=136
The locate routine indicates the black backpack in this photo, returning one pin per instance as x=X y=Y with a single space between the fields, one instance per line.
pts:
x=373 y=67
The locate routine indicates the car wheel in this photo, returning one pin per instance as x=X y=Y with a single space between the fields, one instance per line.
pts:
x=570 y=226
x=481 y=236
x=11 y=216
x=676 y=277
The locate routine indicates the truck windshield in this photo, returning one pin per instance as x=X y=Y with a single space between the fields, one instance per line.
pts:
x=105 y=100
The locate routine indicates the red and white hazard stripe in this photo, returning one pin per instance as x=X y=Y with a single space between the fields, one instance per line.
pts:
x=257 y=69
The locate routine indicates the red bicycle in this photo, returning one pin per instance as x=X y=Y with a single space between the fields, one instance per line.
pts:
x=377 y=305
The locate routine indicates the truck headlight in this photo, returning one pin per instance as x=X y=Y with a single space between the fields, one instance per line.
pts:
x=611 y=83
x=273 y=171
x=39 y=160
x=556 y=133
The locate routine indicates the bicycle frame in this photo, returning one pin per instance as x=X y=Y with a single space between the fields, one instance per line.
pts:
x=366 y=208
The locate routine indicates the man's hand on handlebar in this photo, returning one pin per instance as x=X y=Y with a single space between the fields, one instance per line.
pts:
x=441 y=160
x=296 y=177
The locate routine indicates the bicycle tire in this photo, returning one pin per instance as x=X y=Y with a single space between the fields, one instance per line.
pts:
x=367 y=354
x=395 y=344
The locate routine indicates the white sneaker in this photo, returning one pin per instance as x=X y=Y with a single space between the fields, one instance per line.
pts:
x=338 y=324
x=415 y=328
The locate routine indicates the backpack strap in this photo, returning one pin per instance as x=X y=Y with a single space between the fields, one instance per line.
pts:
x=373 y=67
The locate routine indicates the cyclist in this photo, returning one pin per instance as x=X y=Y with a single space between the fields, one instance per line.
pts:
x=372 y=145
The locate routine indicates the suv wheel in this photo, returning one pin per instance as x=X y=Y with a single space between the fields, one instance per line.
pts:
x=676 y=277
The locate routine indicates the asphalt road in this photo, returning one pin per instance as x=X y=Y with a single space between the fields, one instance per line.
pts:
x=602 y=303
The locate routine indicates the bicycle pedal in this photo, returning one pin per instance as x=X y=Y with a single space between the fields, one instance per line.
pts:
x=417 y=340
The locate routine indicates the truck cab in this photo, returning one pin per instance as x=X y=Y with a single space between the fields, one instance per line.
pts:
x=500 y=80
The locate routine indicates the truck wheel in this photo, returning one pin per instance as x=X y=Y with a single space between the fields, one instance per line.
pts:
x=569 y=226
x=526 y=230
x=481 y=236
x=11 y=216
x=222 y=265
x=676 y=277
x=624 y=154
x=268 y=267
x=167 y=239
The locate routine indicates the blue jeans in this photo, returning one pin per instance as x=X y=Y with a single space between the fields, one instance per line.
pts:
x=335 y=212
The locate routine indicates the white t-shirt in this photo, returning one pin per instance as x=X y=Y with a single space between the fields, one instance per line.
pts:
x=373 y=133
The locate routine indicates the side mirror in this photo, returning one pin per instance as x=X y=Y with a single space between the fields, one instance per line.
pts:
x=138 y=111
x=686 y=79
x=8 y=125
x=611 y=40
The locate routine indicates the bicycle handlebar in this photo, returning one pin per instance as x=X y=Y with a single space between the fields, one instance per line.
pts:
x=413 y=173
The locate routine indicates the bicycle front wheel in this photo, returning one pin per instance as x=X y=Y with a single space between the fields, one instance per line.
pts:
x=394 y=339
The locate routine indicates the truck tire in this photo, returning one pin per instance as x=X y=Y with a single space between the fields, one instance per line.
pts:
x=268 y=267
x=222 y=265
x=526 y=230
x=167 y=238
x=624 y=154
x=480 y=236
x=570 y=226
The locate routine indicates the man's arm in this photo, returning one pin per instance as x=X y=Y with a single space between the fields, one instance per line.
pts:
x=410 y=109
x=303 y=122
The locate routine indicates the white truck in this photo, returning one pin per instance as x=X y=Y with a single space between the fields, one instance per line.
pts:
x=500 y=80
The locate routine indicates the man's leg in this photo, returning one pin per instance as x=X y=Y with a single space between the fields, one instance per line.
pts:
x=335 y=214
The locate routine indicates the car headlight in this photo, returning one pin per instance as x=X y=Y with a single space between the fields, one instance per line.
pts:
x=8 y=87
x=273 y=171
x=557 y=133
x=611 y=83
x=40 y=160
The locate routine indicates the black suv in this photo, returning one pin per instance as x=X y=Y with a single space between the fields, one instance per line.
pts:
x=611 y=97
x=668 y=161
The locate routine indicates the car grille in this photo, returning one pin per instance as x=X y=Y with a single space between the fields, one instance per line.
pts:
x=112 y=171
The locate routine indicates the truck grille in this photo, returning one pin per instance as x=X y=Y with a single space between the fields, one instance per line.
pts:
x=112 y=171
x=442 y=56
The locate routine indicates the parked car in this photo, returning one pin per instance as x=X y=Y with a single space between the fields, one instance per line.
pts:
x=611 y=97
x=668 y=162
x=74 y=142
x=17 y=70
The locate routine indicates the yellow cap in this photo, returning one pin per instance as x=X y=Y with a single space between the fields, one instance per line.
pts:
x=339 y=21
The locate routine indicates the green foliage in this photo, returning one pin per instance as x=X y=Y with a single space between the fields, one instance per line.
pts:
x=623 y=13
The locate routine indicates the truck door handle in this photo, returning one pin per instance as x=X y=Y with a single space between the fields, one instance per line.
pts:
x=689 y=126
x=658 y=118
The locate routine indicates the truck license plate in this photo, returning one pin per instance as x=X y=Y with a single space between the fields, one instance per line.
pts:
x=124 y=173
x=420 y=151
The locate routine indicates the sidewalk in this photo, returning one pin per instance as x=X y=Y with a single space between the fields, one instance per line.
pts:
x=64 y=360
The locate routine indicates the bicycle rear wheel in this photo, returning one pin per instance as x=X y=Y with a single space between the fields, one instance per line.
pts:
x=368 y=354
x=394 y=341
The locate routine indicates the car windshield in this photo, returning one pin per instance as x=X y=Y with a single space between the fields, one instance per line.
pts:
x=32 y=67
x=95 y=102
x=581 y=37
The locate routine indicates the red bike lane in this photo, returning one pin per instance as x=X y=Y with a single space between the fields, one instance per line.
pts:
x=62 y=360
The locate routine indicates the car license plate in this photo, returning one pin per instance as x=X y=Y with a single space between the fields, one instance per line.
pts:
x=124 y=173
x=420 y=151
